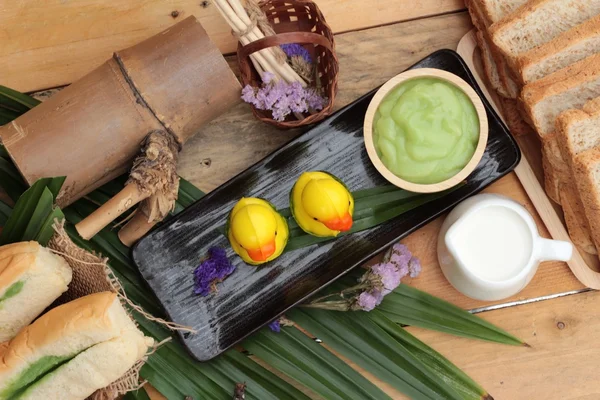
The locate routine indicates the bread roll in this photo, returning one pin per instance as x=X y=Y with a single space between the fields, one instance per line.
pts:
x=58 y=336
x=92 y=369
x=31 y=278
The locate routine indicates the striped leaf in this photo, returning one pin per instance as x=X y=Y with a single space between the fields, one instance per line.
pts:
x=355 y=336
x=444 y=369
x=304 y=360
x=410 y=306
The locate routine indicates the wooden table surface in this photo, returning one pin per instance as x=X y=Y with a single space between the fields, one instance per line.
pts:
x=375 y=40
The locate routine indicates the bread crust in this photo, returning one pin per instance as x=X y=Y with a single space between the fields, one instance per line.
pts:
x=563 y=42
x=558 y=82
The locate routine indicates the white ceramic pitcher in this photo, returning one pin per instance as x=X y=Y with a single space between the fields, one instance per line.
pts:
x=476 y=283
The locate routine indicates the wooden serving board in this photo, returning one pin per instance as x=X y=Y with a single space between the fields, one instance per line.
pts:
x=584 y=266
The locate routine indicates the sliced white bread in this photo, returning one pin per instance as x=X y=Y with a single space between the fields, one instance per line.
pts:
x=59 y=335
x=494 y=10
x=586 y=171
x=487 y=12
x=551 y=181
x=31 y=278
x=489 y=64
x=513 y=118
x=569 y=47
x=92 y=369
x=568 y=88
x=537 y=23
x=578 y=130
x=575 y=218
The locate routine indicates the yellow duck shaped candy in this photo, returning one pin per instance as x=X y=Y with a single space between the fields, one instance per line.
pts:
x=256 y=231
x=321 y=204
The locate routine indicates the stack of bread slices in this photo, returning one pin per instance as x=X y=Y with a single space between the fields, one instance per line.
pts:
x=543 y=58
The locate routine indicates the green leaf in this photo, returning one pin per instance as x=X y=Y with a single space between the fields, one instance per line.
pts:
x=18 y=225
x=5 y=211
x=355 y=336
x=8 y=115
x=10 y=179
x=139 y=394
x=213 y=380
x=409 y=306
x=438 y=364
x=47 y=231
x=16 y=100
x=40 y=213
x=304 y=360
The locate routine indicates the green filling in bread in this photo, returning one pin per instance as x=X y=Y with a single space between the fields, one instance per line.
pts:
x=12 y=291
x=14 y=389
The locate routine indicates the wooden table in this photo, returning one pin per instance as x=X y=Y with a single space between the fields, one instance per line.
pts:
x=555 y=314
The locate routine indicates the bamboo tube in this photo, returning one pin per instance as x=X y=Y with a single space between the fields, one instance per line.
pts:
x=99 y=219
x=91 y=131
x=135 y=228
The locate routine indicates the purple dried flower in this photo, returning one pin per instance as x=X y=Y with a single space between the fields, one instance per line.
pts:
x=414 y=267
x=367 y=301
x=275 y=326
x=212 y=271
x=389 y=276
x=282 y=98
x=294 y=49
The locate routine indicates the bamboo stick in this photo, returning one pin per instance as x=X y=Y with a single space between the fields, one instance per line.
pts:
x=121 y=202
x=135 y=228
x=238 y=19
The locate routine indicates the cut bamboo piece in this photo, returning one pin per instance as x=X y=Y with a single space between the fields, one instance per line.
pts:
x=135 y=228
x=90 y=132
x=121 y=202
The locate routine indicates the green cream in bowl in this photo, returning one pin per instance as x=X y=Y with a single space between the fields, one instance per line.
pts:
x=425 y=131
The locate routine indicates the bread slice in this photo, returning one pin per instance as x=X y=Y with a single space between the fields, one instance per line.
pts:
x=579 y=130
x=568 y=88
x=571 y=46
x=551 y=181
x=495 y=10
x=586 y=171
x=58 y=336
x=488 y=12
x=489 y=64
x=31 y=278
x=575 y=218
x=514 y=121
x=537 y=23
x=92 y=369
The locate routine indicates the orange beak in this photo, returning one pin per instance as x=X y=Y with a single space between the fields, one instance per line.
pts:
x=262 y=253
x=340 y=224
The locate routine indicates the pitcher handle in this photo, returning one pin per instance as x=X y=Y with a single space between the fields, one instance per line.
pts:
x=555 y=250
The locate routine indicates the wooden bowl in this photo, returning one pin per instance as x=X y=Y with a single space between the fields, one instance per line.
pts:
x=426 y=73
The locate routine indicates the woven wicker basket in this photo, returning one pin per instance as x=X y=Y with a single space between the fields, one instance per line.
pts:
x=301 y=22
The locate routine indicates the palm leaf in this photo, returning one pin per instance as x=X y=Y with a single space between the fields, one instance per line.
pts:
x=444 y=369
x=410 y=306
x=31 y=212
x=358 y=338
x=304 y=360
x=139 y=394
x=17 y=101
x=5 y=211
x=10 y=178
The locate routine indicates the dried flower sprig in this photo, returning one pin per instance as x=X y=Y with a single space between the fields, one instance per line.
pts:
x=282 y=98
x=213 y=270
x=378 y=281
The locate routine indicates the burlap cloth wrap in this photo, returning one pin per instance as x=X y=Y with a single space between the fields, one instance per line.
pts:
x=91 y=274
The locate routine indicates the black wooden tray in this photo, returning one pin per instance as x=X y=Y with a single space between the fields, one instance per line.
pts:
x=252 y=297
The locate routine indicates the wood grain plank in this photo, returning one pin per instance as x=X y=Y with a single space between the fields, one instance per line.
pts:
x=562 y=363
x=54 y=42
x=367 y=59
